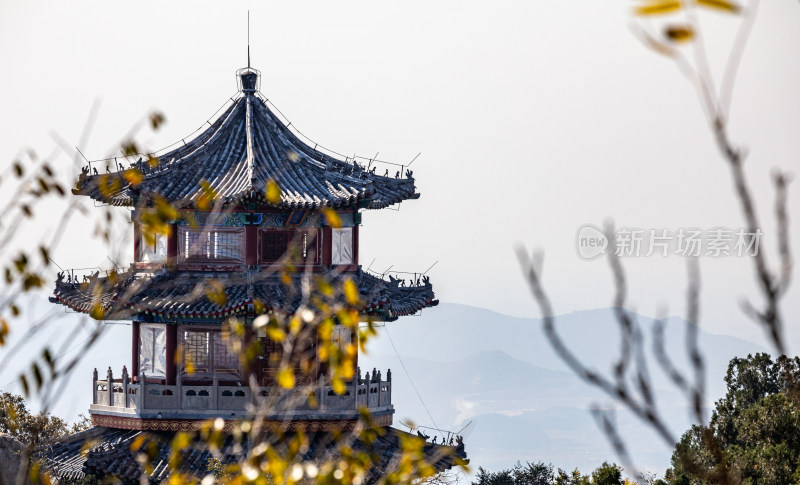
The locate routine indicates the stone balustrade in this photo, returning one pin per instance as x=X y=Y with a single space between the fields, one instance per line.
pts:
x=124 y=398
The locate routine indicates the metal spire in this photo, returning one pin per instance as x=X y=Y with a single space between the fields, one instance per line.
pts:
x=248 y=39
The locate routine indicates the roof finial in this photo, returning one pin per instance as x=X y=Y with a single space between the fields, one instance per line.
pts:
x=248 y=39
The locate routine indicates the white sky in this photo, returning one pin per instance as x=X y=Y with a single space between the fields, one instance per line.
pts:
x=533 y=118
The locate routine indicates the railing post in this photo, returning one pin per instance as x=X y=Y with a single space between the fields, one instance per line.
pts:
x=110 y=380
x=389 y=384
x=379 y=388
x=215 y=392
x=94 y=386
x=125 y=381
x=179 y=390
x=143 y=390
x=255 y=396
x=366 y=389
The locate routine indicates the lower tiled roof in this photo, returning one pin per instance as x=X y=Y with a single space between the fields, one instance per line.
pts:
x=181 y=294
x=106 y=452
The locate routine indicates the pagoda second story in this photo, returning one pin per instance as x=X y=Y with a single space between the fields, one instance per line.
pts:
x=243 y=221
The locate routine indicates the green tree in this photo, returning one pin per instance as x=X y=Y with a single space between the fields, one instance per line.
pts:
x=533 y=474
x=754 y=430
x=537 y=473
x=33 y=429
x=571 y=478
x=484 y=477
x=607 y=474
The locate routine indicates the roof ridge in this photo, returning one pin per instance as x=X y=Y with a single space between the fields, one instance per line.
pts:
x=249 y=136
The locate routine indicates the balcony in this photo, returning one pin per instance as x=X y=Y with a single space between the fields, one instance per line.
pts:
x=122 y=398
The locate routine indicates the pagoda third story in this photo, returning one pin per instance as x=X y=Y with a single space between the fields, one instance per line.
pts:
x=256 y=219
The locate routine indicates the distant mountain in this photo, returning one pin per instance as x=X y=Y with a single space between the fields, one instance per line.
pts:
x=501 y=374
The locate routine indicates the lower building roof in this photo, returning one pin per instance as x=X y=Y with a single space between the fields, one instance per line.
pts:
x=107 y=452
x=167 y=295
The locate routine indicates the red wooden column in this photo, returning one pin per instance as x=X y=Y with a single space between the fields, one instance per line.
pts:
x=251 y=367
x=172 y=345
x=135 y=350
x=327 y=247
x=172 y=245
x=137 y=237
x=251 y=245
x=354 y=341
x=355 y=245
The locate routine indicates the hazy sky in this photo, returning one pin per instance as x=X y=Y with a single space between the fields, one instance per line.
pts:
x=533 y=118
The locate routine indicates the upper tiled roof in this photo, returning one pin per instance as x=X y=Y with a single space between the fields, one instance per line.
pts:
x=187 y=295
x=238 y=154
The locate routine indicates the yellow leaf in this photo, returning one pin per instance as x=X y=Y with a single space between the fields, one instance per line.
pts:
x=129 y=148
x=273 y=192
x=325 y=330
x=181 y=440
x=164 y=210
x=4 y=330
x=276 y=334
x=156 y=119
x=259 y=306
x=338 y=386
x=324 y=286
x=350 y=292
x=152 y=161
x=206 y=197
x=137 y=443
x=346 y=369
x=216 y=292
x=294 y=325
x=658 y=7
x=333 y=218
x=97 y=312
x=133 y=176
x=286 y=378
x=323 y=352
x=348 y=318
x=679 y=33
x=720 y=5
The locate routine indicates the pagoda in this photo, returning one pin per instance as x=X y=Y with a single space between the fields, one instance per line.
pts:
x=251 y=221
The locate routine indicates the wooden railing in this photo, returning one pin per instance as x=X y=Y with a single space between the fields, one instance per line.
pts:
x=314 y=402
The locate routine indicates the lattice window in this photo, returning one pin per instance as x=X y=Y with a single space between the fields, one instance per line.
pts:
x=274 y=245
x=208 y=351
x=212 y=245
x=196 y=245
x=196 y=349
x=224 y=358
x=227 y=245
